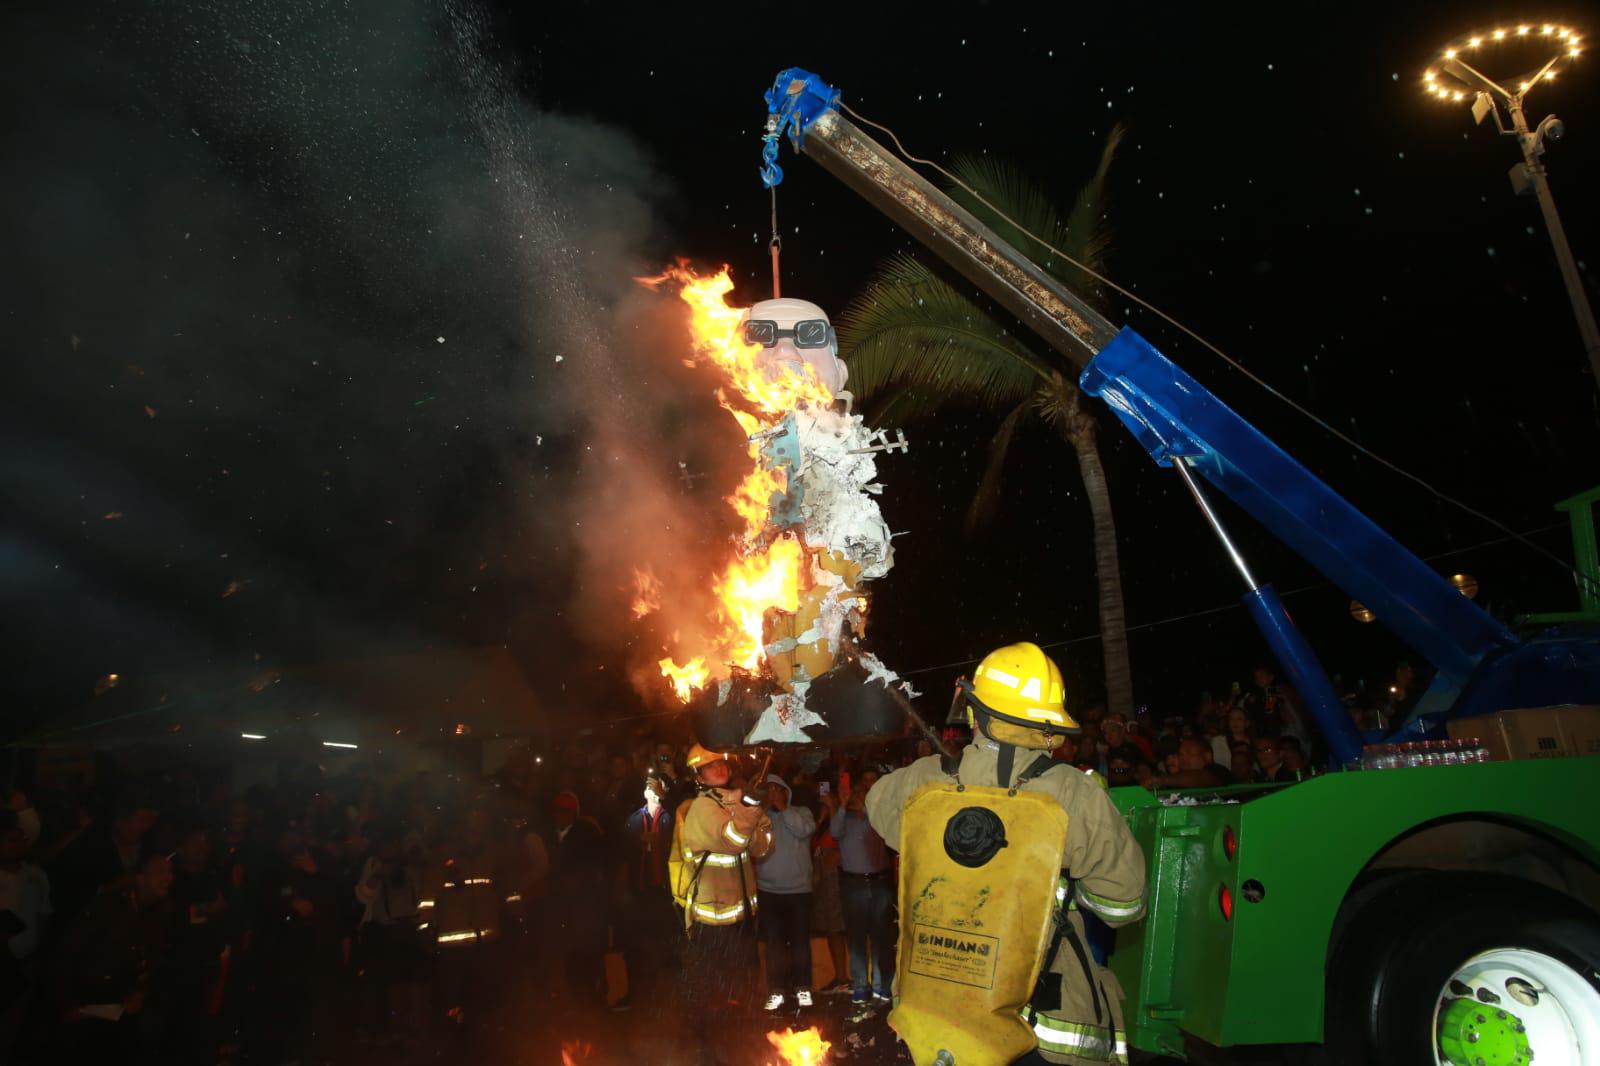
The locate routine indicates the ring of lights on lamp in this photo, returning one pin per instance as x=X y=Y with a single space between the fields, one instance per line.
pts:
x=1443 y=85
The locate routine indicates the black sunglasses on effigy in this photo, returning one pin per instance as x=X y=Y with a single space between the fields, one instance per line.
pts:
x=807 y=333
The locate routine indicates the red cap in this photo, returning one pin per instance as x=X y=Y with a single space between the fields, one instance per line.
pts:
x=566 y=801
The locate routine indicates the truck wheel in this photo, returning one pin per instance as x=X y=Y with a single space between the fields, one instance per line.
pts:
x=1497 y=976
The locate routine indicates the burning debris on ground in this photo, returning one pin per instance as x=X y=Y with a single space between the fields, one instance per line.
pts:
x=803 y=1048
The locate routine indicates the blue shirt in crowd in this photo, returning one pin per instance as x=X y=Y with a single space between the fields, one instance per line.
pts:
x=861 y=849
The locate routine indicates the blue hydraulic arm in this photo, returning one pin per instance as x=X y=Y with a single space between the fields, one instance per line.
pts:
x=1177 y=419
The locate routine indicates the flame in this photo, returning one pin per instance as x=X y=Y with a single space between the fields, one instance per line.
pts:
x=718 y=338
x=647 y=593
x=751 y=586
x=770 y=572
x=803 y=1048
x=685 y=679
x=574 y=1052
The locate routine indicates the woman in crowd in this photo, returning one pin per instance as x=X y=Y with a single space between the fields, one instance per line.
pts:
x=827 y=910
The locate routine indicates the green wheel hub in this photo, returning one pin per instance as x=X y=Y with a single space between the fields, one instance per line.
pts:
x=1476 y=1034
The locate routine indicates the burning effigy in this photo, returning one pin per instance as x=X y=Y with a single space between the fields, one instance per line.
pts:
x=792 y=599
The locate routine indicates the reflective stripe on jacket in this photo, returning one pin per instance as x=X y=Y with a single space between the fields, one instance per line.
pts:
x=466 y=903
x=1078 y=1042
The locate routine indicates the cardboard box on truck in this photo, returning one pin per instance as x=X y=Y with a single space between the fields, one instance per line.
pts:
x=1534 y=732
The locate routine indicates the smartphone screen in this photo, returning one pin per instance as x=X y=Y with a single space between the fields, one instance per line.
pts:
x=822 y=788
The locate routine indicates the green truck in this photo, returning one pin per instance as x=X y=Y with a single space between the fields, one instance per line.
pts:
x=1387 y=915
x=1442 y=914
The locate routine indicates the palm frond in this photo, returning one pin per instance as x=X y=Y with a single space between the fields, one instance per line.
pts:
x=986 y=499
x=902 y=406
x=910 y=329
x=1088 y=217
x=1082 y=234
x=995 y=188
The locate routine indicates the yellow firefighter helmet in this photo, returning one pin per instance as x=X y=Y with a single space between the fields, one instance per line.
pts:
x=1018 y=686
x=700 y=755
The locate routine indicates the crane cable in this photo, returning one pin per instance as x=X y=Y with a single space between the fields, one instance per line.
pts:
x=775 y=244
x=1578 y=578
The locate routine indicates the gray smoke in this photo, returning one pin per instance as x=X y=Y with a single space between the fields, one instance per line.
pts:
x=318 y=333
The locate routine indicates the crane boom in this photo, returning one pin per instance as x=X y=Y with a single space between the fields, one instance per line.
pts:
x=1062 y=318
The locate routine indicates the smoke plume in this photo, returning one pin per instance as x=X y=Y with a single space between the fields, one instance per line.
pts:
x=321 y=338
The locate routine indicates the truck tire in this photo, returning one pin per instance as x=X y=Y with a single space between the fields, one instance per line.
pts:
x=1477 y=956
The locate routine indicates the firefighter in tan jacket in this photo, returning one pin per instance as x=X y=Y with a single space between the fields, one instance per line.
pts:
x=953 y=987
x=719 y=835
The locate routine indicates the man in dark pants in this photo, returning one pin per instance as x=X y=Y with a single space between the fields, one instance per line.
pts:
x=866 y=886
x=784 y=878
x=578 y=862
x=650 y=931
x=300 y=907
x=189 y=1030
x=102 y=968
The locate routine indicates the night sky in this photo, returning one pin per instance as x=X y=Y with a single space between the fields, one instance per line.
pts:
x=321 y=341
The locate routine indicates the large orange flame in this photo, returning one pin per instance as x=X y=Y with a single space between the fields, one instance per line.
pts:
x=803 y=1048
x=771 y=572
x=575 y=1051
x=752 y=585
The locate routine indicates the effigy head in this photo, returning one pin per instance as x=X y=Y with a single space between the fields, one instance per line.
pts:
x=795 y=334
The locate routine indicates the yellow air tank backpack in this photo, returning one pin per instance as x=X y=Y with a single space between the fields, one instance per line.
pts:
x=979 y=868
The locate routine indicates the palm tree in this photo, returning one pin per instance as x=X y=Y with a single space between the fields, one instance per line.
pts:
x=918 y=343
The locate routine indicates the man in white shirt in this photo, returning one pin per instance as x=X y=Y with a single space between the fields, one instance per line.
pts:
x=784 y=880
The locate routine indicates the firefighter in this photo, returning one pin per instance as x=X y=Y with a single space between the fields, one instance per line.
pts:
x=994 y=977
x=461 y=912
x=719 y=835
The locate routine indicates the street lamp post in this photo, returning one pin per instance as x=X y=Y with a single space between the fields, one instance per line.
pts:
x=1529 y=176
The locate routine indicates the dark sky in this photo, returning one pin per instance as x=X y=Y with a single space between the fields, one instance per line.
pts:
x=235 y=238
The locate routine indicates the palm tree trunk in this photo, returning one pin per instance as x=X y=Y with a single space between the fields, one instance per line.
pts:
x=1080 y=432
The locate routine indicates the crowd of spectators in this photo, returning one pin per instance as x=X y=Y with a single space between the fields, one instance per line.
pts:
x=334 y=916
x=1260 y=733
x=175 y=922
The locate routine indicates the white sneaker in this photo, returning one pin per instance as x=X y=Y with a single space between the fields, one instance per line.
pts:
x=802 y=998
x=775 y=1001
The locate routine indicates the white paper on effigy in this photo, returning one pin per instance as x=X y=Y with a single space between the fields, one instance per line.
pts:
x=839 y=513
x=785 y=718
